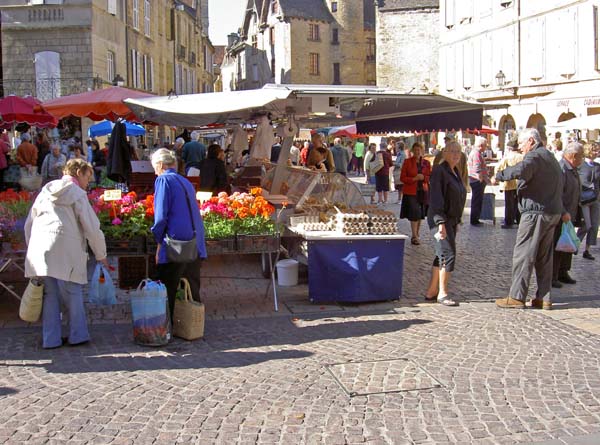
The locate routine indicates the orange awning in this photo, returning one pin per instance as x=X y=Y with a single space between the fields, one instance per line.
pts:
x=97 y=105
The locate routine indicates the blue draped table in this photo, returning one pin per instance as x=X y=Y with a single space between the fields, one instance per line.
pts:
x=354 y=269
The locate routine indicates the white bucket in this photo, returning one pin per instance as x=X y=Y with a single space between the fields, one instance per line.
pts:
x=287 y=272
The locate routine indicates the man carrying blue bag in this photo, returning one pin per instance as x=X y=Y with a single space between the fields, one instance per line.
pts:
x=571 y=160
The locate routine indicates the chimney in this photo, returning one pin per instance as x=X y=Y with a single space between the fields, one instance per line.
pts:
x=231 y=39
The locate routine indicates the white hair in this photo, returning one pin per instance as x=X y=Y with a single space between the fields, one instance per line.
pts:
x=337 y=141
x=195 y=135
x=573 y=148
x=479 y=141
x=530 y=133
x=180 y=141
x=164 y=156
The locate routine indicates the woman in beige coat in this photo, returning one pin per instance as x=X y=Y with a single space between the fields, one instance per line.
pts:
x=57 y=229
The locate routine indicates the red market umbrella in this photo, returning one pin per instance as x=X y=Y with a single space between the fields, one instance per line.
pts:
x=98 y=105
x=483 y=130
x=15 y=110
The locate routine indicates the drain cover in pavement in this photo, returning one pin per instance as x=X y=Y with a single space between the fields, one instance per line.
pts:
x=381 y=376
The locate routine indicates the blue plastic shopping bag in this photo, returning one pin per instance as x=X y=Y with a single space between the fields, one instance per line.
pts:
x=150 y=314
x=102 y=288
x=565 y=242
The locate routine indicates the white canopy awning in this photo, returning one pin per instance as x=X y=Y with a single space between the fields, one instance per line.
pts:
x=579 y=123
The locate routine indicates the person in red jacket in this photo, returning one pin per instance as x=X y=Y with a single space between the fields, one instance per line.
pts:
x=415 y=177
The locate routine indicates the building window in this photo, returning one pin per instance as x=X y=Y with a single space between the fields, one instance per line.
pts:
x=112 y=7
x=272 y=36
x=150 y=86
x=313 y=32
x=596 y=39
x=47 y=75
x=134 y=69
x=335 y=38
x=110 y=66
x=254 y=44
x=275 y=7
x=336 y=74
x=334 y=6
x=136 y=14
x=371 y=50
x=449 y=14
x=467 y=65
x=485 y=57
x=255 y=72
x=313 y=61
x=147 y=18
x=273 y=66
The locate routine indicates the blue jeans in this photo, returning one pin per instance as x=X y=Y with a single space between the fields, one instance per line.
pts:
x=70 y=295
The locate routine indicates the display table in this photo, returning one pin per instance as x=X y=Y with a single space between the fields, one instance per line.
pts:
x=353 y=269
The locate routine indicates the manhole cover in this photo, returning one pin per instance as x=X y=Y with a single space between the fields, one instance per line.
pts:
x=381 y=376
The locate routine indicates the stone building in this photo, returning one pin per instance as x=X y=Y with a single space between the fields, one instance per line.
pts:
x=302 y=42
x=70 y=46
x=407 y=40
x=540 y=59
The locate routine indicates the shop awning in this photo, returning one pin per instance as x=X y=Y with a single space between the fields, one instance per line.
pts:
x=199 y=110
x=420 y=112
x=578 y=123
x=101 y=104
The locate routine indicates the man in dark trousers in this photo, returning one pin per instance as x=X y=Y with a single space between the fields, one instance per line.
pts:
x=539 y=192
x=478 y=178
x=571 y=160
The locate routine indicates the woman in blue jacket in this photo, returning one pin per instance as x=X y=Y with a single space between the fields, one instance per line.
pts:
x=174 y=197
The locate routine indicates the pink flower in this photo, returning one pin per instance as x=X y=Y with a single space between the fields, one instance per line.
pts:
x=116 y=222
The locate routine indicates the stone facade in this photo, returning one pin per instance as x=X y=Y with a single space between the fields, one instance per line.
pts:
x=408 y=48
x=159 y=49
x=303 y=42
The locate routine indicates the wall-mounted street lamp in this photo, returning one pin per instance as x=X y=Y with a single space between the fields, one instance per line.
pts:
x=118 y=81
x=501 y=83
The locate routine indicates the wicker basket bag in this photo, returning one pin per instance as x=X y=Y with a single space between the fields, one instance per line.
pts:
x=188 y=315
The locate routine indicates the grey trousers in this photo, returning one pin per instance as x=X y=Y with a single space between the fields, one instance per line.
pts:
x=534 y=249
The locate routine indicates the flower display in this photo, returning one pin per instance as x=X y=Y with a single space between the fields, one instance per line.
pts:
x=124 y=218
x=237 y=214
x=14 y=208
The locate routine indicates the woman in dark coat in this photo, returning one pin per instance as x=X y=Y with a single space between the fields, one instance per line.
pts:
x=415 y=177
x=213 y=176
x=448 y=196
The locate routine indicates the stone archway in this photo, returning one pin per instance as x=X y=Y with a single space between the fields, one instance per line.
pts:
x=538 y=121
x=566 y=116
x=506 y=127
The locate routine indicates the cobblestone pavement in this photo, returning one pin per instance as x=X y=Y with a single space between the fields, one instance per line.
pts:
x=472 y=374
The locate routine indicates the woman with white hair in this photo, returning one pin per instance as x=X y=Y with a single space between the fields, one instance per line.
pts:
x=176 y=215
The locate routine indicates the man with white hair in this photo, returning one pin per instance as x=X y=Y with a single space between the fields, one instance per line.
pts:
x=194 y=152
x=341 y=158
x=571 y=160
x=539 y=192
x=478 y=178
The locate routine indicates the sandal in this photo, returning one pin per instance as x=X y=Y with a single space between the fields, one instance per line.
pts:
x=434 y=298
x=446 y=301
x=415 y=241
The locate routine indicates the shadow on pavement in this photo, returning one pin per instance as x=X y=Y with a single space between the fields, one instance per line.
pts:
x=112 y=348
x=4 y=391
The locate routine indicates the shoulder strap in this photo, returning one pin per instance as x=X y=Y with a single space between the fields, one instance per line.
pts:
x=187 y=200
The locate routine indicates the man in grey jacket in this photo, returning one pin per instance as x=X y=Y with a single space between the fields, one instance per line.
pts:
x=539 y=193
x=571 y=160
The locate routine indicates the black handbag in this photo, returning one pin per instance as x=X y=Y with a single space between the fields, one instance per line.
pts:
x=179 y=251
x=588 y=196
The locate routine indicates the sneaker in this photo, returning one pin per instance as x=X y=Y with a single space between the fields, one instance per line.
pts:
x=587 y=255
x=538 y=303
x=565 y=278
x=510 y=303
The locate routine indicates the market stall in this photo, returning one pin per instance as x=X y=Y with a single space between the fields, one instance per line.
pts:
x=347 y=245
